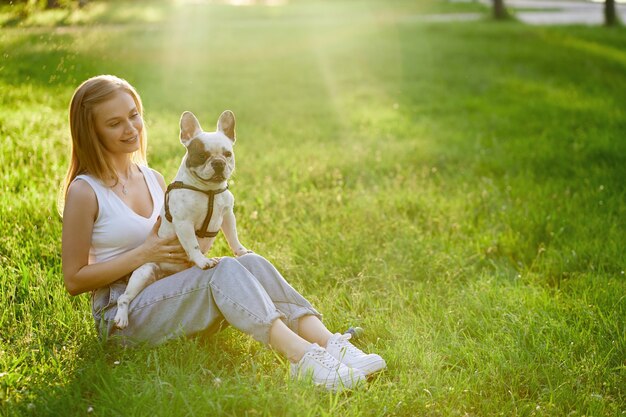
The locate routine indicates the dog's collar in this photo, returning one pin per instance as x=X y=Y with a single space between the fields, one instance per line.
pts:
x=177 y=185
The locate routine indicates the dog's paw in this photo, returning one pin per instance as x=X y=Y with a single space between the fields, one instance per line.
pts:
x=213 y=262
x=121 y=317
x=121 y=320
x=242 y=251
x=206 y=263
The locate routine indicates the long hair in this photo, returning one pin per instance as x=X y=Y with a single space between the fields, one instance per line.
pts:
x=87 y=153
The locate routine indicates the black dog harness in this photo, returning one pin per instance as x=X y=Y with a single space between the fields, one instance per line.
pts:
x=176 y=185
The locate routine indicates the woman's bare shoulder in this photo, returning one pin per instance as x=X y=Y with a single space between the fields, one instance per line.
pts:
x=80 y=189
x=81 y=198
x=159 y=178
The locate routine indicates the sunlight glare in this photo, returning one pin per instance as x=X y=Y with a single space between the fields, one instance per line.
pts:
x=269 y=3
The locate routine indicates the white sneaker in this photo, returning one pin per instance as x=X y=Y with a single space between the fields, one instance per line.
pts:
x=348 y=354
x=325 y=370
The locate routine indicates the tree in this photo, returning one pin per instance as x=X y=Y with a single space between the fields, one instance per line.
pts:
x=610 y=13
x=52 y=4
x=499 y=11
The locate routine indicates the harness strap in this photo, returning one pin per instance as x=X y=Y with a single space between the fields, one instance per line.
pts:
x=203 y=231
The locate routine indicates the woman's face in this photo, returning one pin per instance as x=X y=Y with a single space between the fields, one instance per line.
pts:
x=118 y=123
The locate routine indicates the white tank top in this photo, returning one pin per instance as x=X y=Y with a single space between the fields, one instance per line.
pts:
x=118 y=228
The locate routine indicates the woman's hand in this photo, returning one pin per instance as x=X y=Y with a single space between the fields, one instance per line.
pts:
x=158 y=249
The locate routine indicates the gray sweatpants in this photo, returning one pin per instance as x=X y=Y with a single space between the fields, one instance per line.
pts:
x=247 y=293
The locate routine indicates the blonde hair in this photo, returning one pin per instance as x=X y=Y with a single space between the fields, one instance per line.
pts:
x=87 y=152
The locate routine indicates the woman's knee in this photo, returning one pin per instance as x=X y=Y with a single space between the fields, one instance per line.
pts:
x=266 y=273
x=228 y=266
x=252 y=259
x=225 y=268
x=259 y=267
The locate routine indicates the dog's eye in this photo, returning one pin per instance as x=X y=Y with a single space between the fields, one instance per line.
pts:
x=228 y=154
x=200 y=158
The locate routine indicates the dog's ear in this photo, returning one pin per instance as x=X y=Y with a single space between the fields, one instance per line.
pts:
x=226 y=124
x=189 y=127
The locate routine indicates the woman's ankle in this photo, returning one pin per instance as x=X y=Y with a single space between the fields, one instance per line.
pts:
x=285 y=341
x=312 y=329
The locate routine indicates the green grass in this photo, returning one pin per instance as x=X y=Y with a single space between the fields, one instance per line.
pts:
x=456 y=189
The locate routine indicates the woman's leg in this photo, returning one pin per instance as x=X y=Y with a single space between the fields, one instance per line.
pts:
x=313 y=330
x=300 y=316
x=282 y=339
x=304 y=320
x=195 y=301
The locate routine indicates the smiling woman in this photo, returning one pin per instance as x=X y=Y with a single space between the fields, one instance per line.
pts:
x=123 y=106
x=122 y=126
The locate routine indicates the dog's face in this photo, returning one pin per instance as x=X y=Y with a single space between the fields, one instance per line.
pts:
x=210 y=156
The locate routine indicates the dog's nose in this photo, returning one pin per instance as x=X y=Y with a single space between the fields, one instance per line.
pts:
x=218 y=166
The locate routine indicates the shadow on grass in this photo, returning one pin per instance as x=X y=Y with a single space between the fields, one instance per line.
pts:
x=108 y=379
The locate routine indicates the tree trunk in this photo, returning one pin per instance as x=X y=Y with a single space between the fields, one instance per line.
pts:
x=610 y=13
x=52 y=4
x=499 y=11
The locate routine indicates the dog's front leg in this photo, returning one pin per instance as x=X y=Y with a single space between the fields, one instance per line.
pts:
x=140 y=278
x=187 y=238
x=229 y=227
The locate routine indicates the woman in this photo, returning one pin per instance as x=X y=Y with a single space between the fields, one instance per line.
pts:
x=110 y=219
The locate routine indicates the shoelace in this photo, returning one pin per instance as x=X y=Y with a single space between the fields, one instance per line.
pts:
x=324 y=358
x=345 y=347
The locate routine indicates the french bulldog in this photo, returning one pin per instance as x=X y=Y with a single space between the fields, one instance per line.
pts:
x=197 y=205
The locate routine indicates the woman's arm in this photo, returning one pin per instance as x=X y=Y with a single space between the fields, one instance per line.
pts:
x=80 y=213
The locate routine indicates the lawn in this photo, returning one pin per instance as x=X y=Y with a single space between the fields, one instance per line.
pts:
x=456 y=189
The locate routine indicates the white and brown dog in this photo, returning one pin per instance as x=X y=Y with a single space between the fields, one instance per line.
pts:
x=197 y=204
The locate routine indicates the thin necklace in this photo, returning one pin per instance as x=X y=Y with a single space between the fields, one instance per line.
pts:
x=124 y=190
